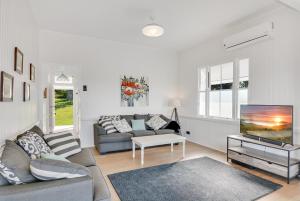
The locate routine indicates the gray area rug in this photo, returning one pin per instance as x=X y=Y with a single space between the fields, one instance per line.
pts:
x=192 y=180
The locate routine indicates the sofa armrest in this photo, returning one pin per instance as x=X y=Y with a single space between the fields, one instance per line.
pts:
x=62 y=190
x=99 y=130
x=78 y=141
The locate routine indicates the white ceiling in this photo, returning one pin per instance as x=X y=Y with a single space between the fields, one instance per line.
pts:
x=186 y=22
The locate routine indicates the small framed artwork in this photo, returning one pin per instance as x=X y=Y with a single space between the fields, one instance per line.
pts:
x=19 y=58
x=32 y=72
x=7 y=87
x=26 y=92
x=45 y=93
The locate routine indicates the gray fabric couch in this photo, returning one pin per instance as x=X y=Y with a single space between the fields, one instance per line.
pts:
x=88 y=188
x=105 y=143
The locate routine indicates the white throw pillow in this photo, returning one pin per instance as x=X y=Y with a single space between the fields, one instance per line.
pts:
x=122 y=125
x=156 y=122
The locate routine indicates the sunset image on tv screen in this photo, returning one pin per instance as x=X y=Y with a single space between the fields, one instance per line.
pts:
x=270 y=122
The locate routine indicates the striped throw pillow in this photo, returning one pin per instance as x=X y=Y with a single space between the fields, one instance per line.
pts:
x=106 y=123
x=63 y=144
x=45 y=169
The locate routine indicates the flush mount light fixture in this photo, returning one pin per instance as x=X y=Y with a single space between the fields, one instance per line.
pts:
x=153 y=30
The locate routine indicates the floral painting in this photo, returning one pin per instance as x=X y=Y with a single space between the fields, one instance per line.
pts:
x=134 y=91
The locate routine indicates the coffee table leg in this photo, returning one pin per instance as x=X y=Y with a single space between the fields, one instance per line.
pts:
x=142 y=155
x=133 y=149
x=172 y=147
x=183 y=149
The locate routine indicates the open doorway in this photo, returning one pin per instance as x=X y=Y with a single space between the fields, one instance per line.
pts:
x=64 y=117
x=64 y=113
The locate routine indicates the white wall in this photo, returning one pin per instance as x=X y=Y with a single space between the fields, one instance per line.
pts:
x=18 y=28
x=274 y=71
x=99 y=64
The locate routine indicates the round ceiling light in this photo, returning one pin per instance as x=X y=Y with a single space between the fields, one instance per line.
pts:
x=153 y=30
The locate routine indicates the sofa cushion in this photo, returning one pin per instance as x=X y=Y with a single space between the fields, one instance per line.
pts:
x=28 y=144
x=115 y=137
x=106 y=123
x=146 y=117
x=9 y=175
x=142 y=133
x=156 y=122
x=122 y=125
x=34 y=129
x=53 y=156
x=85 y=158
x=138 y=124
x=101 y=191
x=17 y=160
x=37 y=130
x=3 y=181
x=166 y=119
x=63 y=144
x=164 y=131
x=34 y=144
x=47 y=170
x=128 y=118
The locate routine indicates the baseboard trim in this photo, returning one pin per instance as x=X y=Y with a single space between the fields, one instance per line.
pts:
x=206 y=146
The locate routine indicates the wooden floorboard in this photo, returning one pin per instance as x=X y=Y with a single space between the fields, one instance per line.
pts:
x=123 y=161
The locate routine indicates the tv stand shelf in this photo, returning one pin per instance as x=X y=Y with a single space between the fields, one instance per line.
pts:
x=284 y=166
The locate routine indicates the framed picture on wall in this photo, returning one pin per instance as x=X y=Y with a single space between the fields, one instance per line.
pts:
x=6 y=87
x=19 y=59
x=32 y=72
x=45 y=93
x=26 y=92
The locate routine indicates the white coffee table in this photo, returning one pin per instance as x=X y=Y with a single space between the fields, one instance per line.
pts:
x=155 y=140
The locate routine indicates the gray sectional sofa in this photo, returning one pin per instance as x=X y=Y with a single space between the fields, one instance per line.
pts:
x=122 y=141
x=88 y=188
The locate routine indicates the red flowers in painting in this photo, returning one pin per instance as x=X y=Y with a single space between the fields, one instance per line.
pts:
x=134 y=85
x=133 y=89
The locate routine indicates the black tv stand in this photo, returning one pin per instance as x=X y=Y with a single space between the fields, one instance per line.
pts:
x=283 y=165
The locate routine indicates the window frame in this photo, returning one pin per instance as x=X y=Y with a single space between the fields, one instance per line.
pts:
x=235 y=89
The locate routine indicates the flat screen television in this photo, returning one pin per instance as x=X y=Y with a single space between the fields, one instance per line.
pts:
x=272 y=123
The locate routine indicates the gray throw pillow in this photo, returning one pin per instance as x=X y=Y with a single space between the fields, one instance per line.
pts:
x=16 y=160
x=45 y=169
x=37 y=130
x=34 y=129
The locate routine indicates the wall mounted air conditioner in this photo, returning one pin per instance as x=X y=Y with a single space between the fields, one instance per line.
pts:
x=294 y=4
x=250 y=36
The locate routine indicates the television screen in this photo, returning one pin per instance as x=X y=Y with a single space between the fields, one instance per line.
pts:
x=270 y=122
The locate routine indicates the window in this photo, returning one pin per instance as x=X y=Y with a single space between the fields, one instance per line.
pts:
x=202 y=85
x=243 y=84
x=223 y=88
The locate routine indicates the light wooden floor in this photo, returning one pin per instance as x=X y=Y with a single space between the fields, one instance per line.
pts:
x=123 y=161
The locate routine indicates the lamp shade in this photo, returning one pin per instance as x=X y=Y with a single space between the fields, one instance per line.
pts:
x=175 y=103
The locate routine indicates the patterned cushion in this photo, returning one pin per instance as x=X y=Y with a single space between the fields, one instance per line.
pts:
x=156 y=122
x=34 y=145
x=122 y=125
x=17 y=160
x=3 y=181
x=45 y=169
x=63 y=144
x=8 y=174
x=106 y=123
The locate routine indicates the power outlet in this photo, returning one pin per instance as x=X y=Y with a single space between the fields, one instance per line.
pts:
x=188 y=132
